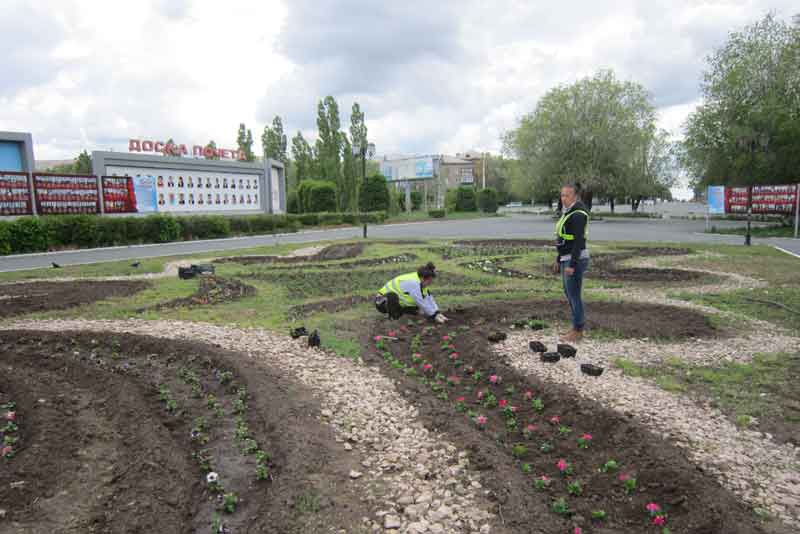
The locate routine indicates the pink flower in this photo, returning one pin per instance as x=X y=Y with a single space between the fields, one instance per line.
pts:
x=11 y=416
x=503 y=403
x=445 y=338
x=528 y=395
x=377 y=338
x=404 y=328
x=623 y=477
x=480 y=395
x=578 y=530
x=427 y=367
x=460 y=399
x=481 y=419
x=659 y=520
x=493 y=379
x=6 y=450
x=513 y=409
x=562 y=465
x=586 y=437
x=416 y=355
x=653 y=507
x=530 y=428
x=545 y=478
x=555 y=419
x=454 y=356
x=455 y=380
x=392 y=333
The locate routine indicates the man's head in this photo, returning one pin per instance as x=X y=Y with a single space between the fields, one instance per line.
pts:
x=426 y=274
x=569 y=193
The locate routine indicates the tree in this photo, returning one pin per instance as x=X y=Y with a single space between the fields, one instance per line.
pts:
x=374 y=194
x=348 y=198
x=592 y=132
x=358 y=134
x=303 y=157
x=273 y=141
x=212 y=145
x=244 y=140
x=80 y=165
x=329 y=141
x=747 y=129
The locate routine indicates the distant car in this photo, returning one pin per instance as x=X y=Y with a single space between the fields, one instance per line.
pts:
x=514 y=205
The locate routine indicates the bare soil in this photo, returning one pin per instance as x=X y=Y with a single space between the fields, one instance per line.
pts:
x=31 y=297
x=372 y=262
x=100 y=451
x=213 y=290
x=338 y=251
x=694 y=502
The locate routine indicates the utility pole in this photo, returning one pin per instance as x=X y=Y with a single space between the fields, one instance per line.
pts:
x=483 y=172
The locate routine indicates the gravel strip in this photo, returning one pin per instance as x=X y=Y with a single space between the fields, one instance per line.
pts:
x=416 y=481
x=749 y=463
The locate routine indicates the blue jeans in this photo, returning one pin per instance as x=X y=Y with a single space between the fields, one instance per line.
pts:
x=572 y=289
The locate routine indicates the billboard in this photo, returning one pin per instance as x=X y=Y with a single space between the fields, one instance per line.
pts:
x=418 y=168
x=57 y=194
x=766 y=199
x=716 y=200
x=15 y=195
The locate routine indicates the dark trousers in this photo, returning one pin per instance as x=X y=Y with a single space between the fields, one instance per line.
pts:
x=390 y=304
x=573 y=285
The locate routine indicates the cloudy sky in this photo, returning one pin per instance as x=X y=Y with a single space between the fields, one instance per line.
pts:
x=432 y=77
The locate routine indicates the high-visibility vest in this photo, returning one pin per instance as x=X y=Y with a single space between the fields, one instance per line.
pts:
x=393 y=286
x=563 y=221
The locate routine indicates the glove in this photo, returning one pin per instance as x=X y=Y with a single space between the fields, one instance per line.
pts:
x=441 y=319
x=556 y=267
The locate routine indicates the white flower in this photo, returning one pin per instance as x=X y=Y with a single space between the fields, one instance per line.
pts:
x=212 y=478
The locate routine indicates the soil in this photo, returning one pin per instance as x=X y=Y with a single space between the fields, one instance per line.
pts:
x=519 y=243
x=606 y=267
x=328 y=306
x=372 y=262
x=495 y=266
x=31 y=297
x=81 y=466
x=212 y=290
x=693 y=502
x=338 y=251
x=627 y=320
x=491 y=247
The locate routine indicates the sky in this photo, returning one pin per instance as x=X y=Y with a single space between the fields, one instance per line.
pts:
x=431 y=77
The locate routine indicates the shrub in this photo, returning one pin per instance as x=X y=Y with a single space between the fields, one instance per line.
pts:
x=292 y=202
x=27 y=234
x=436 y=214
x=161 y=228
x=136 y=229
x=308 y=219
x=260 y=224
x=331 y=218
x=374 y=194
x=416 y=200
x=323 y=197
x=241 y=225
x=205 y=227
x=465 y=199
x=487 y=200
x=374 y=217
x=5 y=238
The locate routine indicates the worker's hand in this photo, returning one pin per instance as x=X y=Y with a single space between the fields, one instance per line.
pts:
x=569 y=271
x=441 y=319
x=556 y=267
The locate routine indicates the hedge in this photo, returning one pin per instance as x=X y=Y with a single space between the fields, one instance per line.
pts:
x=374 y=194
x=436 y=214
x=40 y=234
x=487 y=200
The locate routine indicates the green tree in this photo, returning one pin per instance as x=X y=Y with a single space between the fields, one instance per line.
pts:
x=244 y=140
x=358 y=134
x=212 y=145
x=303 y=157
x=747 y=129
x=273 y=140
x=329 y=141
x=80 y=165
x=348 y=198
x=374 y=194
x=592 y=131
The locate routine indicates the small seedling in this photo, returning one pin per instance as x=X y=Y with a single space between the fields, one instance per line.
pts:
x=575 y=488
x=526 y=468
x=250 y=446
x=229 y=502
x=610 y=466
x=561 y=507
x=537 y=405
x=542 y=483
x=519 y=450
x=546 y=446
x=598 y=515
x=225 y=377
x=262 y=472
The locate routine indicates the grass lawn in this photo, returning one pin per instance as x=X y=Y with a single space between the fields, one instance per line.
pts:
x=760 y=231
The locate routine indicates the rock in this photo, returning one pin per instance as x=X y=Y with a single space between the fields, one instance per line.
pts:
x=327 y=413
x=424 y=498
x=405 y=500
x=348 y=447
x=391 y=522
x=355 y=474
x=497 y=337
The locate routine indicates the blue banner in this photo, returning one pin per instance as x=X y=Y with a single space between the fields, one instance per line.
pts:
x=145 y=189
x=716 y=200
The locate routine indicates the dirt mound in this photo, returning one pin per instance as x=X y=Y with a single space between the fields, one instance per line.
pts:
x=495 y=266
x=328 y=306
x=531 y=243
x=338 y=251
x=372 y=262
x=30 y=297
x=606 y=267
x=117 y=434
x=449 y=381
x=624 y=319
x=212 y=290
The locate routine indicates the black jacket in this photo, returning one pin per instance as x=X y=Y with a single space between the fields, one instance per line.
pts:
x=576 y=225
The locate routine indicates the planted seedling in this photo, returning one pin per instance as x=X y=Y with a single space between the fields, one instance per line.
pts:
x=214 y=483
x=490 y=401
x=561 y=507
x=229 y=502
x=537 y=405
x=610 y=466
x=628 y=483
x=250 y=446
x=262 y=472
x=542 y=483
x=460 y=404
x=575 y=488
x=564 y=467
x=564 y=431
x=239 y=406
x=584 y=441
x=599 y=515
x=225 y=377
x=546 y=447
x=519 y=450
x=526 y=468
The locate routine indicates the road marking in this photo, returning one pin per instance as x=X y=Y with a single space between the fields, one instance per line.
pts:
x=789 y=252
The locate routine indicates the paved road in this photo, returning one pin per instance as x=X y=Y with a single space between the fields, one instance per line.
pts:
x=516 y=226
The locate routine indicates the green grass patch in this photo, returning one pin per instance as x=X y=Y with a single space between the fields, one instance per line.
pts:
x=757 y=231
x=777 y=305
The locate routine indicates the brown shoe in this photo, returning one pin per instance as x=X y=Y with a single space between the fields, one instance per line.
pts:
x=573 y=336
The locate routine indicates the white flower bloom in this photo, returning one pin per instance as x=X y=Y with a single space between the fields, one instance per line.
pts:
x=212 y=478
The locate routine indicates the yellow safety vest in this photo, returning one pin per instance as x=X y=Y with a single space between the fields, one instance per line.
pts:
x=393 y=286
x=563 y=221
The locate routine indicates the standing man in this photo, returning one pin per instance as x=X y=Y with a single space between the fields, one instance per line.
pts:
x=573 y=256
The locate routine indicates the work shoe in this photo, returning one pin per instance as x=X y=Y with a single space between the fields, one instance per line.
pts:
x=573 y=336
x=393 y=306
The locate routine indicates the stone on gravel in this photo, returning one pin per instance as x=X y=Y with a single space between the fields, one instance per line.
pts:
x=355 y=474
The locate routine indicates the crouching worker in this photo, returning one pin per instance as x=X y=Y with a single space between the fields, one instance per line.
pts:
x=408 y=294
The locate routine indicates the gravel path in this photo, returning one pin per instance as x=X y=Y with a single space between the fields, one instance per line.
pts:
x=415 y=480
x=762 y=472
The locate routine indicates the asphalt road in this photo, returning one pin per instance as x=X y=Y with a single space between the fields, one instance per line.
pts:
x=515 y=226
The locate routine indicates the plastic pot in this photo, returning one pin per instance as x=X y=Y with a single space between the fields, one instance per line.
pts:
x=537 y=346
x=566 y=351
x=591 y=370
x=184 y=273
x=550 y=357
x=298 y=332
x=204 y=268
